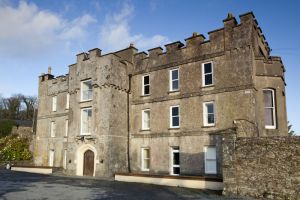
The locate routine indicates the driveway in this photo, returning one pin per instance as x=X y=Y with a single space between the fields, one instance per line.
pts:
x=20 y=185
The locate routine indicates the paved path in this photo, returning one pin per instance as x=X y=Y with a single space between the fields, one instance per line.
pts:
x=20 y=185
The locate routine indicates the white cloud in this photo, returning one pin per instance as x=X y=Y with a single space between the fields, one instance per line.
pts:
x=115 y=33
x=26 y=30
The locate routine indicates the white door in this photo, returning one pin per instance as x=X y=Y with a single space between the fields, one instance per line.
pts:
x=51 y=158
x=210 y=160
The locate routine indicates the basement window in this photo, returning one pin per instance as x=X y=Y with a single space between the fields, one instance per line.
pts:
x=145 y=159
x=175 y=161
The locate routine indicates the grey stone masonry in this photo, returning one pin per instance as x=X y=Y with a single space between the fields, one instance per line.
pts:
x=261 y=167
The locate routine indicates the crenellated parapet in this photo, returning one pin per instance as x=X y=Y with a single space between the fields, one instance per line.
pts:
x=232 y=36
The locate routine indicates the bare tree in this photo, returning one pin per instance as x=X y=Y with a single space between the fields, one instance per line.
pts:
x=31 y=103
x=13 y=106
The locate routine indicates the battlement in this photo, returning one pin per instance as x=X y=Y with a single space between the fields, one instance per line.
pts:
x=232 y=35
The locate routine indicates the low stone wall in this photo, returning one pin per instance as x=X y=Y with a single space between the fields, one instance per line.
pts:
x=261 y=167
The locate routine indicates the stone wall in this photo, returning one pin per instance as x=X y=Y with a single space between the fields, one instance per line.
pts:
x=262 y=167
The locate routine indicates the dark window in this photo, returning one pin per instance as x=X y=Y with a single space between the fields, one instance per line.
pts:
x=146 y=85
x=175 y=121
x=207 y=74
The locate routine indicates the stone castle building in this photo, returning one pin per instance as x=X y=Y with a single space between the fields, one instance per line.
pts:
x=161 y=112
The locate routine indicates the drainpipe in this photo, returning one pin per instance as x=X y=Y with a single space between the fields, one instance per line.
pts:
x=128 y=123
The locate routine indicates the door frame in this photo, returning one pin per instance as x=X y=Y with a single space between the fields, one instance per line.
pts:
x=80 y=158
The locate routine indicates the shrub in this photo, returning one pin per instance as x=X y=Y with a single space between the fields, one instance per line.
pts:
x=14 y=148
x=6 y=126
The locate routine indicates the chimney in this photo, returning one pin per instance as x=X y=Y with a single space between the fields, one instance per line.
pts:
x=49 y=70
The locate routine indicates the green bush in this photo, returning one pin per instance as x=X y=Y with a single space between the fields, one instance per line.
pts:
x=14 y=148
x=6 y=126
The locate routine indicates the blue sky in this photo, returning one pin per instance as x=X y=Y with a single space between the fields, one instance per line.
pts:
x=38 y=34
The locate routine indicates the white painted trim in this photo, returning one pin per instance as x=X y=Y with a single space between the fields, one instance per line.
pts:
x=171 y=89
x=273 y=108
x=32 y=170
x=205 y=114
x=80 y=158
x=143 y=86
x=143 y=159
x=143 y=118
x=171 y=116
x=197 y=184
x=203 y=75
x=81 y=91
x=207 y=171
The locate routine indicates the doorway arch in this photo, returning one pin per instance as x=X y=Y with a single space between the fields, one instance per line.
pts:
x=86 y=160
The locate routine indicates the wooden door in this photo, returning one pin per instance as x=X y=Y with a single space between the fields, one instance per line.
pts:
x=88 y=163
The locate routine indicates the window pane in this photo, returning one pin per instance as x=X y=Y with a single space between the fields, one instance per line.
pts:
x=175 y=85
x=269 y=116
x=207 y=68
x=176 y=170
x=87 y=90
x=147 y=89
x=268 y=99
x=208 y=79
x=210 y=165
x=174 y=74
x=146 y=164
x=176 y=160
x=146 y=80
x=210 y=119
x=86 y=120
x=211 y=153
x=175 y=111
x=175 y=121
x=210 y=108
x=146 y=153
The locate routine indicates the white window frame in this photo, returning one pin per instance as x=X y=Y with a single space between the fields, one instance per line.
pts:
x=143 y=119
x=66 y=127
x=171 y=117
x=81 y=90
x=81 y=124
x=68 y=101
x=51 y=158
x=65 y=159
x=273 y=108
x=143 y=85
x=171 y=80
x=205 y=113
x=209 y=171
x=52 y=129
x=203 y=75
x=143 y=168
x=54 y=103
x=172 y=151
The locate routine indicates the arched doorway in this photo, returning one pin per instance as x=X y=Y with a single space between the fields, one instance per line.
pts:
x=88 y=163
x=86 y=153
